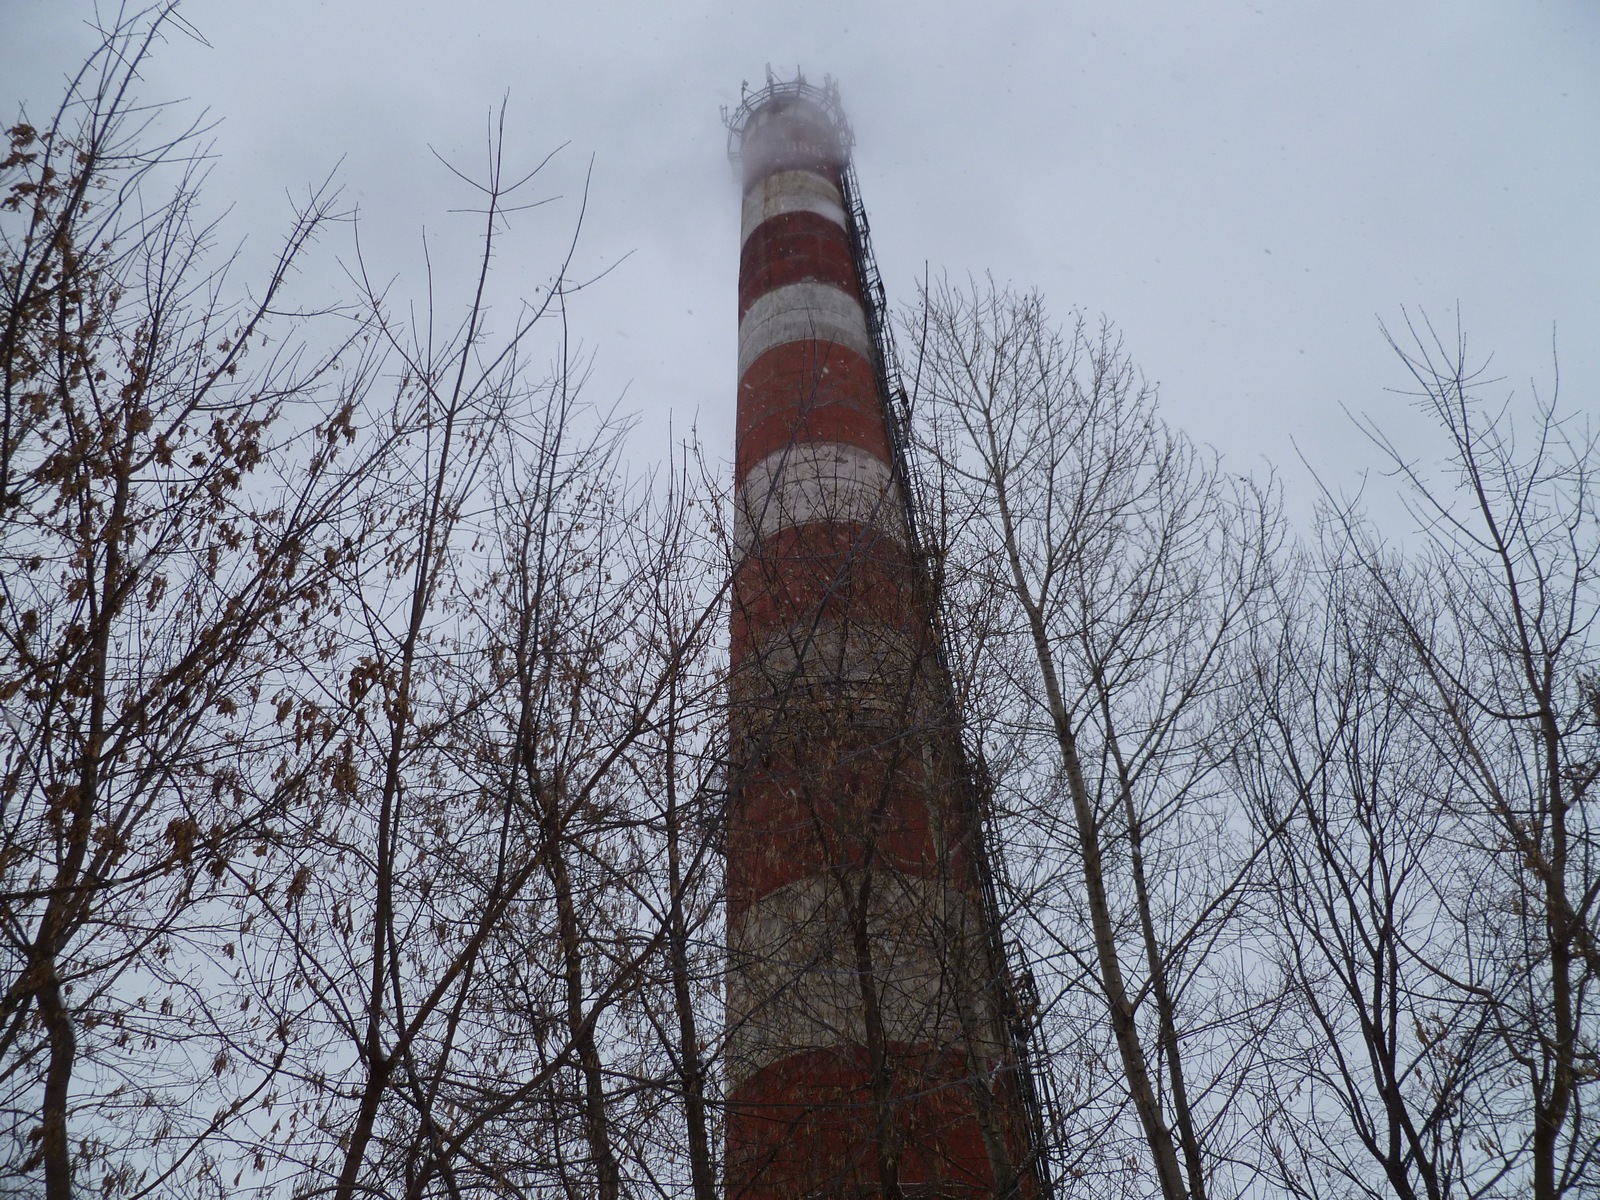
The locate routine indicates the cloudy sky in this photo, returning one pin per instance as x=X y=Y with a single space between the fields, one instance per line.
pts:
x=1246 y=188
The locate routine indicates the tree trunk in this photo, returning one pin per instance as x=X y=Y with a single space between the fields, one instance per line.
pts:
x=1123 y=1026
x=1156 y=963
x=701 y=1174
x=596 y=1127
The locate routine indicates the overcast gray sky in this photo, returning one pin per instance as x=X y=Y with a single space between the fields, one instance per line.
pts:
x=1245 y=188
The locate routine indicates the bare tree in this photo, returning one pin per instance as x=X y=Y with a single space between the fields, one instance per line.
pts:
x=461 y=945
x=361 y=761
x=1384 y=1077
x=171 y=492
x=1114 y=570
x=1453 y=718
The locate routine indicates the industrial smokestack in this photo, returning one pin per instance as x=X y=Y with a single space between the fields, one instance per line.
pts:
x=869 y=1050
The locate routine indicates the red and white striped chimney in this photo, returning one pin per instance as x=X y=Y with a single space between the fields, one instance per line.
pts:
x=865 y=1055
